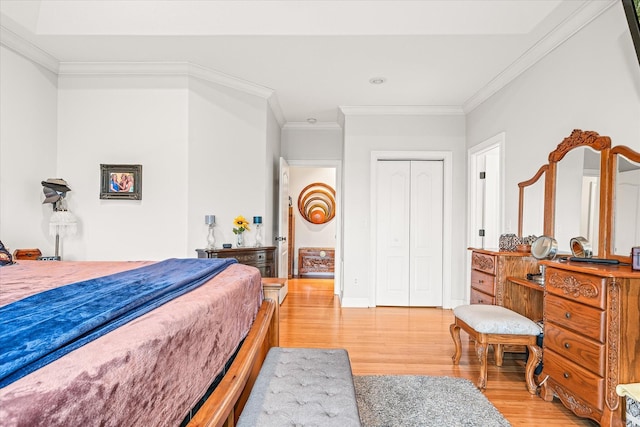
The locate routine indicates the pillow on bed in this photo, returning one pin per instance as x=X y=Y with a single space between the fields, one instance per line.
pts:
x=5 y=256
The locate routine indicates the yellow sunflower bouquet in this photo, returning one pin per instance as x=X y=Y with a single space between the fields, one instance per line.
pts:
x=241 y=225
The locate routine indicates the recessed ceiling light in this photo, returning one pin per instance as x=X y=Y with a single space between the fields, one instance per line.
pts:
x=312 y=120
x=377 y=80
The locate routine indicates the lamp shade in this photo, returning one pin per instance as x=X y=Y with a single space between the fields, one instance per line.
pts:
x=63 y=223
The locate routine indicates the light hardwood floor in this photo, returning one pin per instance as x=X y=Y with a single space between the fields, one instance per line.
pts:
x=408 y=341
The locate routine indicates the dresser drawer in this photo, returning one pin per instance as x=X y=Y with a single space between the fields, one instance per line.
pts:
x=580 y=287
x=582 y=383
x=577 y=317
x=483 y=262
x=572 y=346
x=483 y=282
x=478 y=297
x=252 y=257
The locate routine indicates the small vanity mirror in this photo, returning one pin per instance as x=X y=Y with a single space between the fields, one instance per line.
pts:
x=544 y=247
x=581 y=248
x=626 y=200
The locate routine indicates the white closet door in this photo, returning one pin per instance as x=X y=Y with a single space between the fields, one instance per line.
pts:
x=392 y=230
x=409 y=233
x=426 y=233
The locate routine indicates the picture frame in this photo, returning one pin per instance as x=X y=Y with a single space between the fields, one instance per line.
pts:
x=121 y=182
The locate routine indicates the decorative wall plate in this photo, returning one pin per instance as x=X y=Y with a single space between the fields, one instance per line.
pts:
x=317 y=203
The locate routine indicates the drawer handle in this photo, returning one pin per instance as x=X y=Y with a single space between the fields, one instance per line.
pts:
x=480 y=281
x=567 y=315
x=566 y=345
x=566 y=375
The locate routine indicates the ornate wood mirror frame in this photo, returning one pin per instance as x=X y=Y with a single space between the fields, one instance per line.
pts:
x=608 y=172
x=577 y=139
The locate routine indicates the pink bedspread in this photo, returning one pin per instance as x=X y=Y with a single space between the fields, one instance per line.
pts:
x=149 y=372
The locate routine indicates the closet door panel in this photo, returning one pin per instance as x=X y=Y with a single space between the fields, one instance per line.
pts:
x=392 y=231
x=426 y=233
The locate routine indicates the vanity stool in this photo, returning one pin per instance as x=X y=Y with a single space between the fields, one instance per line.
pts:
x=496 y=325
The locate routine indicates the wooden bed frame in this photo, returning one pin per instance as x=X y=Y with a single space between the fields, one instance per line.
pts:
x=224 y=405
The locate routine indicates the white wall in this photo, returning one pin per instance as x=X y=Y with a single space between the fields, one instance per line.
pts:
x=202 y=147
x=125 y=120
x=272 y=177
x=306 y=233
x=28 y=122
x=311 y=142
x=364 y=134
x=591 y=82
x=227 y=169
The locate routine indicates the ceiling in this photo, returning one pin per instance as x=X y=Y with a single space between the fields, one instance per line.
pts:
x=311 y=57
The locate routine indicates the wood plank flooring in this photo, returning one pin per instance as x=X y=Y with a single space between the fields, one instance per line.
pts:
x=408 y=341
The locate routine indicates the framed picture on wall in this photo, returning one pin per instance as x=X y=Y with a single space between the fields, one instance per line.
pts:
x=121 y=182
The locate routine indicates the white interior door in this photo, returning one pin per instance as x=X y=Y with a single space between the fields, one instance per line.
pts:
x=283 y=220
x=426 y=226
x=409 y=233
x=486 y=184
x=392 y=230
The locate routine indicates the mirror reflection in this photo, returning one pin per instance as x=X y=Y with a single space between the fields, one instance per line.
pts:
x=577 y=199
x=532 y=199
x=626 y=210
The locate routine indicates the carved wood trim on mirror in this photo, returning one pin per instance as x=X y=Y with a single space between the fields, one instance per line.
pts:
x=598 y=143
x=606 y=213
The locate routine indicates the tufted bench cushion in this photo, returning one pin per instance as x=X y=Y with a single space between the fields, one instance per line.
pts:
x=494 y=319
x=302 y=387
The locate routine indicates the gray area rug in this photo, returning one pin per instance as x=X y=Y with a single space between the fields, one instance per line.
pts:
x=407 y=400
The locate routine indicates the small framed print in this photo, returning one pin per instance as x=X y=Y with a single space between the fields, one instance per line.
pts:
x=121 y=182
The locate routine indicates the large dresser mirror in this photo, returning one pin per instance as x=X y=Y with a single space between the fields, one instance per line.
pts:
x=587 y=189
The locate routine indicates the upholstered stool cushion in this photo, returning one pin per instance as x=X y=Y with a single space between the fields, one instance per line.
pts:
x=302 y=387
x=494 y=319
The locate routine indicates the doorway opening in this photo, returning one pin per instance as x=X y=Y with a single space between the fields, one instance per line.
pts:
x=319 y=244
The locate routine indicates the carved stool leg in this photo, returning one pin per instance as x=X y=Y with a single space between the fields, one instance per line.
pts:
x=535 y=356
x=482 y=350
x=454 y=329
x=498 y=350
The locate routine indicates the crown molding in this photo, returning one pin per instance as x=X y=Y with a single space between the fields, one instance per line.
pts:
x=312 y=126
x=276 y=109
x=186 y=69
x=20 y=45
x=393 y=110
x=560 y=34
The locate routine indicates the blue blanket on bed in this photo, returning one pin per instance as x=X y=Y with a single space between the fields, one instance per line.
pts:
x=41 y=328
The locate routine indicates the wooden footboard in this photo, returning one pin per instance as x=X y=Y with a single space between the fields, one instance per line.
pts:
x=224 y=405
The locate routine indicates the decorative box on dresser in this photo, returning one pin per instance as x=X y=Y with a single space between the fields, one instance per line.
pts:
x=490 y=270
x=263 y=258
x=592 y=337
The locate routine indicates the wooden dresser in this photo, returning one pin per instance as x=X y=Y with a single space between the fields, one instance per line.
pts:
x=263 y=258
x=490 y=270
x=591 y=337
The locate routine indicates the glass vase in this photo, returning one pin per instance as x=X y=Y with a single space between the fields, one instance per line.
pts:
x=240 y=240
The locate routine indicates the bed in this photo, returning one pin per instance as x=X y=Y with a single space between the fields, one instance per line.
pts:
x=158 y=368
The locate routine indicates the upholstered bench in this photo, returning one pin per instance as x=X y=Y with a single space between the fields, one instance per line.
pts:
x=302 y=387
x=495 y=325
